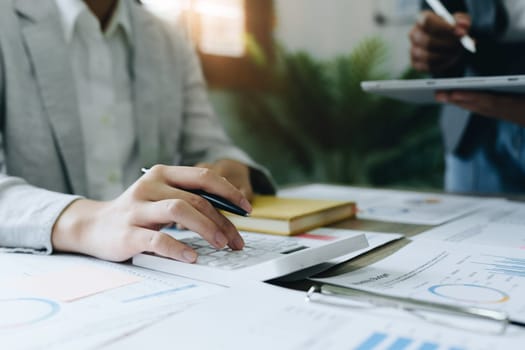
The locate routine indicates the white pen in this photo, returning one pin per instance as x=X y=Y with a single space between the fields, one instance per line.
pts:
x=467 y=42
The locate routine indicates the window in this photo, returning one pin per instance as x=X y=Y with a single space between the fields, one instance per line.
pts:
x=229 y=35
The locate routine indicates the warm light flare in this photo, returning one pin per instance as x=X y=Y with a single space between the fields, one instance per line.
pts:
x=227 y=9
x=218 y=26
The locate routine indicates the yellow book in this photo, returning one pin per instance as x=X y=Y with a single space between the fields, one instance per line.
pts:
x=290 y=216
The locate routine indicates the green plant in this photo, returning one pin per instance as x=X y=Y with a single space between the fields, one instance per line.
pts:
x=314 y=123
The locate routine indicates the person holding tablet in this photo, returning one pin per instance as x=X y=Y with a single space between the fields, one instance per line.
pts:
x=91 y=91
x=484 y=133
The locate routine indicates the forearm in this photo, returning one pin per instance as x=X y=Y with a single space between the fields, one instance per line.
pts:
x=27 y=215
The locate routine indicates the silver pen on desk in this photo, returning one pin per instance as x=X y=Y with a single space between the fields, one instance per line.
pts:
x=467 y=42
x=410 y=304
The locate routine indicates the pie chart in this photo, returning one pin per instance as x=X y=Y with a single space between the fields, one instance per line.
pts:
x=470 y=293
x=23 y=312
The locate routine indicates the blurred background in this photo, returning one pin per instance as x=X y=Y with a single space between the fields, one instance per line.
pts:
x=284 y=78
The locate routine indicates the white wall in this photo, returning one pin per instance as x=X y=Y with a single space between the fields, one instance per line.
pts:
x=327 y=28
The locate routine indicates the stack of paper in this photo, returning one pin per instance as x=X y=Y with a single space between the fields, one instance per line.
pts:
x=264 y=317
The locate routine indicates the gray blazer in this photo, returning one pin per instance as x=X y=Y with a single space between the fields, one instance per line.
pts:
x=42 y=164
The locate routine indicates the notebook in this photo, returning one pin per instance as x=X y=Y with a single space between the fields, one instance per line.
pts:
x=264 y=256
x=290 y=216
x=423 y=90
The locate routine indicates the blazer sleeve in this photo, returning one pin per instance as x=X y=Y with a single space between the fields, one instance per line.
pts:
x=27 y=213
x=204 y=139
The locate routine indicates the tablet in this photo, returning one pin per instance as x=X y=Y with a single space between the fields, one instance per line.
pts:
x=423 y=90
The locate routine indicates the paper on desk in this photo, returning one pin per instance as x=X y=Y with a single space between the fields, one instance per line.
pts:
x=464 y=274
x=498 y=224
x=393 y=206
x=29 y=321
x=72 y=283
x=261 y=317
x=375 y=240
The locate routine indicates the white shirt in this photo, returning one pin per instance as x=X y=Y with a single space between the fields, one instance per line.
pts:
x=516 y=16
x=102 y=70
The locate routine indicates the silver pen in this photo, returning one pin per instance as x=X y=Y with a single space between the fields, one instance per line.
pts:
x=410 y=304
x=467 y=42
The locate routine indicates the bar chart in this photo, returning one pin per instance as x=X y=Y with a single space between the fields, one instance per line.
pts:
x=380 y=340
x=514 y=267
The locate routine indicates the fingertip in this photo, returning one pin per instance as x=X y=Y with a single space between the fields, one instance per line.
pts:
x=462 y=19
x=460 y=31
x=238 y=243
x=422 y=18
x=220 y=240
x=189 y=255
x=245 y=204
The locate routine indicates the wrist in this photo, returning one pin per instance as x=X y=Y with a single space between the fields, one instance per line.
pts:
x=72 y=226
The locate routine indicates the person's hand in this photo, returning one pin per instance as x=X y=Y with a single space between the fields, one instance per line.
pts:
x=507 y=107
x=238 y=174
x=130 y=224
x=435 y=44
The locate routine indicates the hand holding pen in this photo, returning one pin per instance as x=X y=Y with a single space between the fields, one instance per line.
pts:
x=130 y=224
x=215 y=200
x=436 y=44
x=467 y=42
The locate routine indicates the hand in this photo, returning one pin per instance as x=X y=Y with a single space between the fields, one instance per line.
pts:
x=507 y=107
x=129 y=225
x=435 y=44
x=238 y=174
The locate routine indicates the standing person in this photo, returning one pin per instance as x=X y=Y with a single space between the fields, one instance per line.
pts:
x=91 y=91
x=484 y=133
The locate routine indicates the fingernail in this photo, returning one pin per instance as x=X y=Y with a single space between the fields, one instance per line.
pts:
x=220 y=240
x=238 y=243
x=189 y=255
x=422 y=18
x=460 y=32
x=245 y=204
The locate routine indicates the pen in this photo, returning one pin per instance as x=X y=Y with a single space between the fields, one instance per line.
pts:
x=467 y=42
x=414 y=304
x=217 y=201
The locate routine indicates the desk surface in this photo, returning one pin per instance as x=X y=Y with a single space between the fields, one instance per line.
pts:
x=152 y=287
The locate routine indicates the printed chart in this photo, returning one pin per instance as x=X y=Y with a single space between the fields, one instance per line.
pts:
x=470 y=293
x=501 y=265
x=451 y=273
x=24 y=312
x=378 y=341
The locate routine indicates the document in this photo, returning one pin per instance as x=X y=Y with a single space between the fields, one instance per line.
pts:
x=451 y=273
x=393 y=206
x=375 y=240
x=82 y=280
x=499 y=224
x=261 y=317
x=33 y=319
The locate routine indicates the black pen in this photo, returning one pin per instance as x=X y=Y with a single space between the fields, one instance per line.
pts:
x=217 y=201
